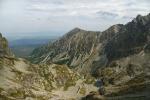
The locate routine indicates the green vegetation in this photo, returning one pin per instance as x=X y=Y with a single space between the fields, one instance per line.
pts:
x=19 y=94
x=5 y=43
x=65 y=77
x=82 y=90
x=89 y=79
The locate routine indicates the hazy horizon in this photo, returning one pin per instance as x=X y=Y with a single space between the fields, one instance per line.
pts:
x=34 y=35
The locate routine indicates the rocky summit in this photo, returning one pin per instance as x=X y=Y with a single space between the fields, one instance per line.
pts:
x=82 y=65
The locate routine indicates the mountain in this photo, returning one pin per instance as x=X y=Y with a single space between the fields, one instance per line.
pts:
x=31 y=41
x=22 y=80
x=71 y=49
x=23 y=51
x=119 y=56
x=79 y=49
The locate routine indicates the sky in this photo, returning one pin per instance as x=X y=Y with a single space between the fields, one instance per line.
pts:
x=35 y=18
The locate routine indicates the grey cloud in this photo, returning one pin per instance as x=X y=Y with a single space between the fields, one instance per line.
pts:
x=53 y=15
x=104 y=14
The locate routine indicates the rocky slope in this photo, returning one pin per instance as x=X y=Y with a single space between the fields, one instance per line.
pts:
x=4 y=50
x=21 y=80
x=74 y=49
x=127 y=71
x=120 y=56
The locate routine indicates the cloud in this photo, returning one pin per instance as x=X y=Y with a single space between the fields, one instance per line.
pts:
x=89 y=7
x=107 y=15
x=52 y=15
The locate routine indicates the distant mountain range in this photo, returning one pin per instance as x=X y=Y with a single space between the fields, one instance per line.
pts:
x=23 y=47
x=31 y=41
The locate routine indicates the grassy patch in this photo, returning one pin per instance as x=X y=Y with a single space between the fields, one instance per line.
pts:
x=65 y=77
x=82 y=91
x=89 y=79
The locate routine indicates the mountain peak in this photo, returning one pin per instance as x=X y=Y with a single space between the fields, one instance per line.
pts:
x=142 y=20
x=73 y=31
x=116 y=28
x=77 y=28
x=138 y=16
x=110 y=32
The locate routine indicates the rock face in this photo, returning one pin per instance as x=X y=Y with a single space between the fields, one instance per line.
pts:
x=4 y=50
x=131 y=39
x=74 y=49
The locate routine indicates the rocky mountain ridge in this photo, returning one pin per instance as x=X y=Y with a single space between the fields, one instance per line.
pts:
x=119 y=56
x=79 y=48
